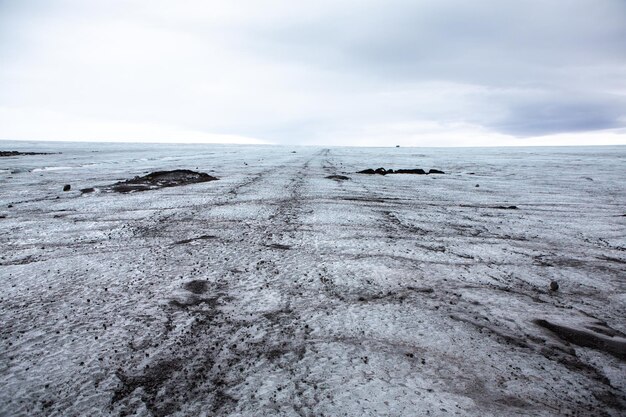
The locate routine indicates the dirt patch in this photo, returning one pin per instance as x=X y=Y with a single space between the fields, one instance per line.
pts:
x=415 y=171
x=16 y=153
x=161 y=179
x=338 y=177
x=196 y=286
x=193 y=239
x=279 y=246
x=151 y=380
x=590 y=337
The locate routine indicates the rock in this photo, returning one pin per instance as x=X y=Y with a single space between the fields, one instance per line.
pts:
x=161 y=179
x=554 y=286
x=87 y=190
x=417 y=171
x=67 y=187
x=338 y=177
x=16 y=153
x=477 y=185
x=506 y=207
x=368 y=171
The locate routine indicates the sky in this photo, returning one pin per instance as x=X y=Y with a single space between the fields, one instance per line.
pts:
x=340 y=72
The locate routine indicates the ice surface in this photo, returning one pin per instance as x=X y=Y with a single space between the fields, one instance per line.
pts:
x=279 y=291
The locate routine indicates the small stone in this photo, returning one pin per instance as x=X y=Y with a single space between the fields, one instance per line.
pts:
x=67 y=187
x=554 y=286
x=477 y=185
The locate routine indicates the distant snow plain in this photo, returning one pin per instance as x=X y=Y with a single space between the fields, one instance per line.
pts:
x=276 y=291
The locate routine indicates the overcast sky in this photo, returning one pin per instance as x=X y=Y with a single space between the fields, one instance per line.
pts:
x=343 y=72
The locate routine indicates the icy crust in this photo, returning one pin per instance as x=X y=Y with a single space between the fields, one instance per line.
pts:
x=279 y=291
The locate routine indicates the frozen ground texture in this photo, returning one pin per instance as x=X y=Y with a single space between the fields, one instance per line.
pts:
x=277 y=291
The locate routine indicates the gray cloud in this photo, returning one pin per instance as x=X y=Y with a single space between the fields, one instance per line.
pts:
x=302 y=73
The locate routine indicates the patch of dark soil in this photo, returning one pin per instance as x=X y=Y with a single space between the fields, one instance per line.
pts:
x=16 y=153
x=194 y=301
x=611 y=259
x=338 y=177
x=505 y=207
x=415 y=171
x=370 y=171
x=365 y=199
x=278 y=246
x=589 y=337
x=499 y=332
x=151 y=380
x=197 y=286
x=426 y=290
x=161 y=179
x=203 y=237
x=609 y=399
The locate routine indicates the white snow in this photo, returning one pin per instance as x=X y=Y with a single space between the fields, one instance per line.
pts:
x=397 y=295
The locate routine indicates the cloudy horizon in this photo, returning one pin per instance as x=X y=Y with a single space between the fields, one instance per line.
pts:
x=367 y=73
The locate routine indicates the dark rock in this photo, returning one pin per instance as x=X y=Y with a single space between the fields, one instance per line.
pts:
x=196 y=286
x=368 y=171
x=161 y=179
x=279 y=246
x=338 y=177
x=87 y=190
x=203 y=237
x=554 y=286
x=10 y=206
x=505 y=207
x=417 y=171
x=16 y=153
x=615 y=346
x=477 y=185
x=67 y=187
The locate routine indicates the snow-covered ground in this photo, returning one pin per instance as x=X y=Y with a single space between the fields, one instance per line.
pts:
x=277 y=291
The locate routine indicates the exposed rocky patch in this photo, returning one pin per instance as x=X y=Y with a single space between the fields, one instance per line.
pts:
x=16 y=153
x=162 y=179
x=415 y=171
x=193 y=239
x=155 y=181
x=596 y=336
x=196 y=286
x=338 y=177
